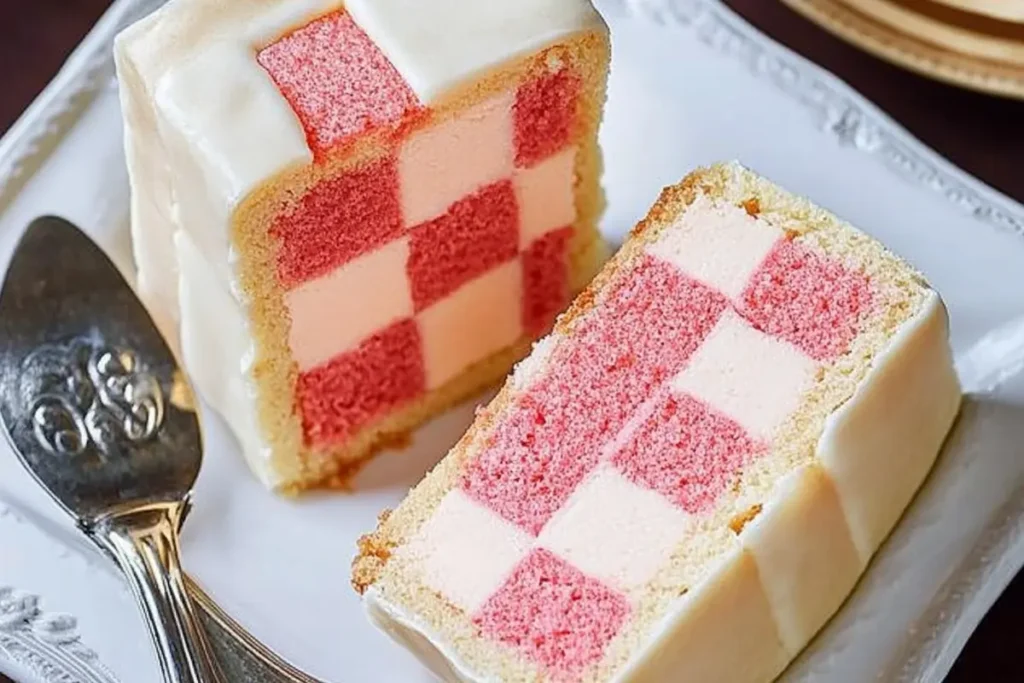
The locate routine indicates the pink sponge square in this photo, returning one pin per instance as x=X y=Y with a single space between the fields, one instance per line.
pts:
x=350 y=391
x=554 y=613
x=545 y=113
x=475 y=235
x=687 y=452
x=809 y=300
x=337 y=80
x=545 y=280
x=337 y=220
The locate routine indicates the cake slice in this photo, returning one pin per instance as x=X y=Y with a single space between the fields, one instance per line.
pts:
x=326 y=196
x=686 y=478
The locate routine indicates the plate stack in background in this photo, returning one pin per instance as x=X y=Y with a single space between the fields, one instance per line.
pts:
x=977 y=44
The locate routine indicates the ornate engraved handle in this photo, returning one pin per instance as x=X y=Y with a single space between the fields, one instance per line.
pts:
x=143 y=541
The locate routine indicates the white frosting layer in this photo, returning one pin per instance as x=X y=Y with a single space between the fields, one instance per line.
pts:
x=879 y=446
x=149 y=178
x=439 y=44
x=204 y=125
x=418 y=639
x=722 y=630
x=798 y=560
x=805 y=556
x=220 y=370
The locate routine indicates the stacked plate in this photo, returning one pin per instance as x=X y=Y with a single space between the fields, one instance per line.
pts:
x=977 y=44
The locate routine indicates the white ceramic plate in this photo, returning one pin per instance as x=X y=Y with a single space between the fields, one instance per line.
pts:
x=691 y=83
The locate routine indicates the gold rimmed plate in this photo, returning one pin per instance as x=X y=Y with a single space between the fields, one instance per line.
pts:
x=933 y=40
x=1005 y=10
x=959 y=32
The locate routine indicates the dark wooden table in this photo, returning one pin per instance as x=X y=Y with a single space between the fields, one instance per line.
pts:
x=984 y=135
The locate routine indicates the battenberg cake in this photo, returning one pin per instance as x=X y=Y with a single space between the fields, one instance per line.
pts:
x=702 y=456
x=353 y=215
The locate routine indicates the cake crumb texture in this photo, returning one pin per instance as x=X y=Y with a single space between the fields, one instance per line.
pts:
x=337 y=220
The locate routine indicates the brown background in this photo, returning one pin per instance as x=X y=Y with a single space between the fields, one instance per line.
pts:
x=982 y=134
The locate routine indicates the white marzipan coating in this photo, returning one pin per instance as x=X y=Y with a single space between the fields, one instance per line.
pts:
x=220 y=370
x=192 y=109
x=439 y=44
x=418 y=639
x=880 y=445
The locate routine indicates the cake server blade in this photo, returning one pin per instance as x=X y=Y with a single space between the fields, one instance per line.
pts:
x=94 y=404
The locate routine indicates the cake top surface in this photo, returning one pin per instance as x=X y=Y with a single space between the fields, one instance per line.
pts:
x=316 y=72
x=433 y=45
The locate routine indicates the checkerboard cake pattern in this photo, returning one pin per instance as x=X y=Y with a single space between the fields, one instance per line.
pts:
x=633 y=430
x=407 y=269
x=703 y=455
x=325 y=192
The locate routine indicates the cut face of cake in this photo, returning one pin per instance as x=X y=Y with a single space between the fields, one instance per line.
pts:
x=703 y=455
x=353 y=215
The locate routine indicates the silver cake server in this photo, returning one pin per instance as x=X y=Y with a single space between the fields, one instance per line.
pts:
x=97 y=410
